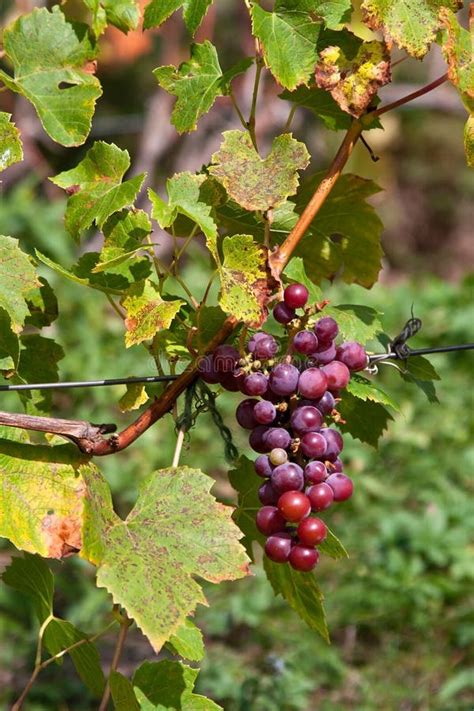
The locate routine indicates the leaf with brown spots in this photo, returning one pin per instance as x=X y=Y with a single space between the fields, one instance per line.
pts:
x=149 y=561
x=42 y=497
x=17 y=280
x=353 y=74
x=259 y=183
x=147 y=312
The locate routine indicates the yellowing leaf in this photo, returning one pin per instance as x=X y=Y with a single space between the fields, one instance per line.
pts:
x=147 y=312
x=412 y=24
x=259 y=183
x=50 y=58
x=42 y=497
x=96 y=187
x=135 y=397
x=175 y=532
x=354 y=78
x=469 y=141
x=17 y=279
x=10 y=144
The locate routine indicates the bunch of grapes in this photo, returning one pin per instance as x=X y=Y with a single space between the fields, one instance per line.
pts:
x=289 y=397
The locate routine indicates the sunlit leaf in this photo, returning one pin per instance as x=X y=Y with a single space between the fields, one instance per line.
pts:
x=134 y=398
x=17 y=279
x=123 y=14
x=184 y=198
x=194 y=11
x=147 y=312
x=188 y=642
x=11 y=150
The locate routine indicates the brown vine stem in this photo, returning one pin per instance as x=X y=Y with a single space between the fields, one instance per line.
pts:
x=405 y=99
x=124 y=626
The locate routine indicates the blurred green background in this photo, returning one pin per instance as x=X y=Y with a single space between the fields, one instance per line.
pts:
x=400 y=609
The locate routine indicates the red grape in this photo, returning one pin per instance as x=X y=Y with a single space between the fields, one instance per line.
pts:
x=321 y=496
x=269 y=520
x=353 y=355
x=315 y=472
x=326 y=329
x=312 y=383
x=305 y=342
x=341 y=485
x=283 y=314
x=305 y=419
x=296 y=296
x=278 y=547
x=255 y=384
x=294 y=506
x=312 y=531
x=267 y=494
x=313 y=444
x=303 y=558
x=244 y=414
x=287 y=477
x=338 y=375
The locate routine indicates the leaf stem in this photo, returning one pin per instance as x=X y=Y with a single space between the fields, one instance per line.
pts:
x=124 y=626
x=253 y=109
x=237 y=109
x=290 y=118
x=115 y=307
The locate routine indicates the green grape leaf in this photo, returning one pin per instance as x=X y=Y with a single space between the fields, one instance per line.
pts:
x=469 y=141
x=366 y=420
x=42 y=305
x=242 y=479
x=366 y=390
x=42 y=497
x=122 y=693
x=245 y=288
x=17 y=279
x=147 y=312
x=253 y=182
x=333 y=547
x=321 y=104
x=134 y=398
x=9 y=344
x=420 y=371
x=148 y=562
x=11 y=150
x=209 y=319
x=95 y=187
x=302 y=593
x=123 y=14
x=295 y=271
x=39 y=358
x=168 y=686
x=356 y=323
x=288 y=36
x=31 y=576
x=187 y=642
x=334 y=13
x=172 y=342
x=411 y=24
x=353 y=76
x=186 y=196
x=194 y=11
x=344 y=239
x=196 y=84
x=52 y=61
x=124 y=234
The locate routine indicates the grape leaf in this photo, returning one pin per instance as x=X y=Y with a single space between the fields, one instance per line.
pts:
x=11 y=150
x=122 y=693
x=321 y=104
x=196 y=84
x=124 y=234
x=9 y=344
x=469 y=141
x=194 y=11
x=209 y=319
x=17 y=280
x=420 y=371
x=52 y=60
x=39 y=358
x=96 y=188
x=333 y=547
x=148 y=562
x=365 y=390
x=188 y=642
x=123 y=14
x=245 y=289
x=41 y=499
x=244 y=480
x=168 y=686
x=365 y=420
x=185 y=197
x=295 y=271
x=253 y=182
x=412 y=24
x=334 y=13
x=42 y=305
x=31 y=576
x=344 y=238
x=288 y=36
x=134 y=398
x=147 y=312
x=353 y=75
x=302 y=593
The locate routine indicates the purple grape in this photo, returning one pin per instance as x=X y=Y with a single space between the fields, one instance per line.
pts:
x=278 y=456
x=269 y=521
x=207 y=371
x=283 y=314
x=258 y=336
x=312 y=383
x=336 y=466
x=264 y=412
x=341 y=485
x=303 y=558
x=277 y=437
x=256 y=439
x=315 y=472
x=244 y=414
x=326 y=403
x=232 y=381
x=278 y=547
x=338 y=375
x=313 y=444
x=262 y=466
x=225 y=358
x=306 y=419
x=296 y=296
x=325 y=356
x=265 y=348
x=284 y=379
x=321 y=496
x=305 y=342
x=287 y=477
x=334 y=443
x=267 y=494
x=353 y=355
x=326 y=329
x=255 y=384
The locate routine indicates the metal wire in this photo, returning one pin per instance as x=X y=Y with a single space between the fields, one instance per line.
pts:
x=377 y=357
